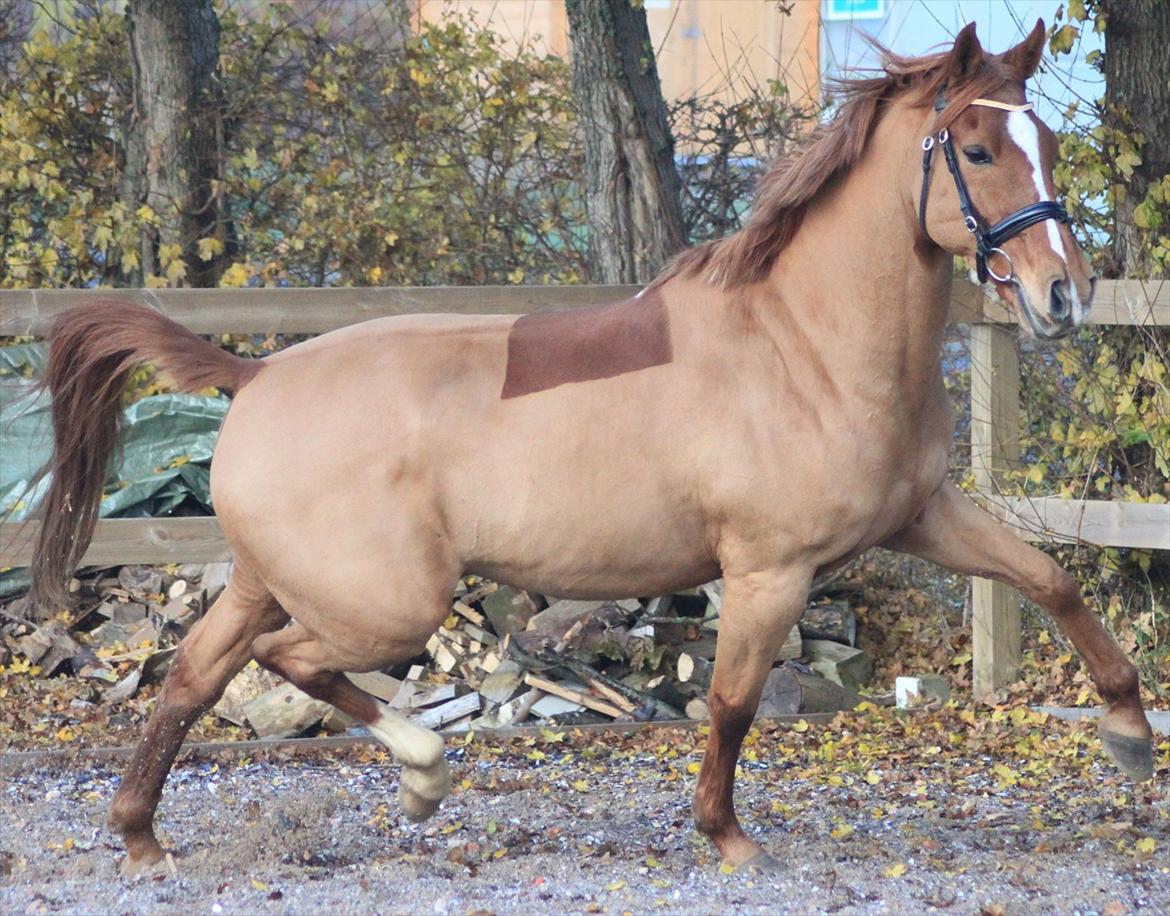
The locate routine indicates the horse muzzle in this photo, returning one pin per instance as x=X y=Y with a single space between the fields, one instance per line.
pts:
x=1052 y=310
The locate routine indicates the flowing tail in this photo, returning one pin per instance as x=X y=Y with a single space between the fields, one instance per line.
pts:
x=93 y=350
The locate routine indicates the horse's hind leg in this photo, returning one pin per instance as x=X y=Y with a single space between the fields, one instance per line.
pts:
x=313 y=666
x=213 y=652
x=954 y=532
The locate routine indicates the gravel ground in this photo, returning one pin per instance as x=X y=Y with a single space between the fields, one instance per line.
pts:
x=584 y=823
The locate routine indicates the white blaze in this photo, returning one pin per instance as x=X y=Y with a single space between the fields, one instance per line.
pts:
x=1022 y=129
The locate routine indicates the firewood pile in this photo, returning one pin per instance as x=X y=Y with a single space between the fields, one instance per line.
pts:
x=502 y=658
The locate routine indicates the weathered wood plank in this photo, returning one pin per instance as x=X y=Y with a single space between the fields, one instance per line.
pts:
x=1117 y=302
x=298 y=310
x=130 y=540
x=995 y=449
x=1099 y=521
x=313 y=311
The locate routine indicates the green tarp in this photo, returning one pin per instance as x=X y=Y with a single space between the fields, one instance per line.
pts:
x=164 y=459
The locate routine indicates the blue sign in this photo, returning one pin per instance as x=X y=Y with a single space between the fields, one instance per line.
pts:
x=837 y=10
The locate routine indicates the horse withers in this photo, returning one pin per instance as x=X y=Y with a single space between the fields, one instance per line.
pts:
x=771 y=406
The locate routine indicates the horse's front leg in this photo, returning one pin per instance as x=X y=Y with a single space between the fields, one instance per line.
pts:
x=954 y=532
x=759 y=609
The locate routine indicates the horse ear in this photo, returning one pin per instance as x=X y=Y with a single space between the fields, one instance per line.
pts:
x=966 y=55
x=1025 y=57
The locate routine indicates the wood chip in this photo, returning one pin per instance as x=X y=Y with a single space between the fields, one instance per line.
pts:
x=574 y=696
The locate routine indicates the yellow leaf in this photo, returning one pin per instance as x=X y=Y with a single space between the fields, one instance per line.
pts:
x=801 y=726
x=693 y=767
x=209 y=248
x=615 y=886
x=251 y=160
x=581 y=785
x=872 y=778
x=259 y=885
x=235 y=276
x=896 y=870
x=841 y=831
x=1146 y=845
x=727 y=868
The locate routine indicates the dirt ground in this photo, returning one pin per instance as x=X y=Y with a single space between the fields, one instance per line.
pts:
x=879 y=813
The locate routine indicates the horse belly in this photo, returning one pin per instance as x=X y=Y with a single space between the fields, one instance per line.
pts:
x=586 y=490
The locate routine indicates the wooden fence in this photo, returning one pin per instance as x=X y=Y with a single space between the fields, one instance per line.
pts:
x=995 y=416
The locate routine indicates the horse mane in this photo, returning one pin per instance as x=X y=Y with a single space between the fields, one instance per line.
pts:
x=785 y=192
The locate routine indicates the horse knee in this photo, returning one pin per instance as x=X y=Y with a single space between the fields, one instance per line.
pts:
x=1055 y=589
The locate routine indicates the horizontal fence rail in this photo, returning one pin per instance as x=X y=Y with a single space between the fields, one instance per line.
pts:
x=995 y=395
x=315 y=311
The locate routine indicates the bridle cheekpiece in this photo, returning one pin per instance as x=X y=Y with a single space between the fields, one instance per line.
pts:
x=988 y=239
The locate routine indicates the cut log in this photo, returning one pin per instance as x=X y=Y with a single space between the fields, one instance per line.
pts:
x=834 y=621
x=215 y=580
x=843 y=665
x=695 y=671
x=470 y=613
x=382 y=686
x=513 y=712
x=818 y=694
x=501 y=684
x=443 y=654
x=283 y=712
x=252 y=682
x=781 y=694
x=697 y=709
x=438 y=716
x=548 y=706
x=508 y=610
x=49 y=646
x=433 y=695
x=612 y=695
x=793 y=646
x=703 y=647
x=574 y=696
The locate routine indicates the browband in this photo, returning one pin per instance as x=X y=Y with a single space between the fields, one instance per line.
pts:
x=1002 y=106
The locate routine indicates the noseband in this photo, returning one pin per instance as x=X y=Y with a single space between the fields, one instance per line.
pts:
x=988 y=239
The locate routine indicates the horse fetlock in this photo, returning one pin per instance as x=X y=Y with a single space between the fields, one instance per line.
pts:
x=130 y=813
x=422 y=790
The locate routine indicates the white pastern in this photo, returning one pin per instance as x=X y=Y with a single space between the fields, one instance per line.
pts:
x=413 y=745
x=1024 y=133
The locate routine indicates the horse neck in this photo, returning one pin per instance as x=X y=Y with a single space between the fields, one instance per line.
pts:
x=860 y=279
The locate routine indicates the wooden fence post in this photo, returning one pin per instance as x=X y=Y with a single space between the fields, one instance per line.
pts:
x=995 y=448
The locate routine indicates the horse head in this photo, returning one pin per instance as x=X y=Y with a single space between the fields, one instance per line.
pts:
x=999 y=211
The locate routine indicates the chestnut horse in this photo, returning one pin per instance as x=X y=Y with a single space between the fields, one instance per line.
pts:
x=768 y=408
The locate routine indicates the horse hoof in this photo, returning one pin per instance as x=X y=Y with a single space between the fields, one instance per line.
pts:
x=761 y=864
x=147 y=866
x=1133 y=756
x=420 y=792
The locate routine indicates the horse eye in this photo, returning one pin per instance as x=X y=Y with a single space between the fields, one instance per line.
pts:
x=977 y=155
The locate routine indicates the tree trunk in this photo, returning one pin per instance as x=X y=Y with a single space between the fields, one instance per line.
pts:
x=1137 y=73
x=173 y=134
x=632 y=188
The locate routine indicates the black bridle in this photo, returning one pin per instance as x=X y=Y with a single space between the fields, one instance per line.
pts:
x=988 y=239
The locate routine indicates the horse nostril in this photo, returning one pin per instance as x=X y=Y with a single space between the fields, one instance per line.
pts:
x=1059 y=300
